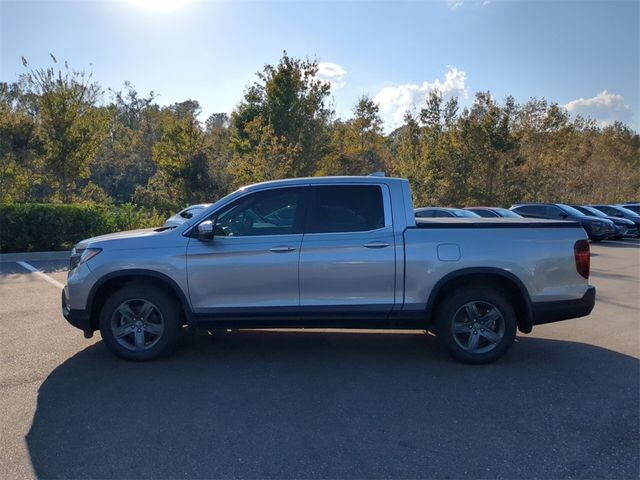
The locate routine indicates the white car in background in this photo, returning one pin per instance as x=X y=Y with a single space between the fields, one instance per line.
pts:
x=186 y=214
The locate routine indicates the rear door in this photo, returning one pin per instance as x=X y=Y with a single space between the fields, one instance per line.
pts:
x=347 y=260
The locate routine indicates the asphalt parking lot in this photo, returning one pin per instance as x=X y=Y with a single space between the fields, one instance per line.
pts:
x=564 y=403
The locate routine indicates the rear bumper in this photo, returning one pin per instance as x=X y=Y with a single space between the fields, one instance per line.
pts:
x=78 y=318
x=548 y=312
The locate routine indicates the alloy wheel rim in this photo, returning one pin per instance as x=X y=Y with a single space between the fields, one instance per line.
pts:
x=478 y=327
x=137 y=324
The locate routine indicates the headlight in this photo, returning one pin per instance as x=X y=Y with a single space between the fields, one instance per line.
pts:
x=88 y=254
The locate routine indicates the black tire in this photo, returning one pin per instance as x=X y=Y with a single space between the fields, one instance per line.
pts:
x=160 y=328
x=452 y=313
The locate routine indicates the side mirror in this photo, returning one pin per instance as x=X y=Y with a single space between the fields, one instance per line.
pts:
x=563 y=216
x=619 y=215
x=205 y=230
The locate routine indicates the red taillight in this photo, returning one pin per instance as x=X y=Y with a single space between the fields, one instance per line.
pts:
x=583 y=257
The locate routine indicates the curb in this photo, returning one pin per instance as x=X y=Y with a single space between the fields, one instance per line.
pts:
x=35 y=256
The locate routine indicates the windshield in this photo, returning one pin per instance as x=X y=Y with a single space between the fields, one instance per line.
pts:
x=571 y=210
x=626 y=211
x=595 y=212
x=505 y=212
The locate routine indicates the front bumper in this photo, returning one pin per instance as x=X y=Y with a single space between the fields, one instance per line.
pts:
x=548 y=312
x=78 y=318
x=621 y=231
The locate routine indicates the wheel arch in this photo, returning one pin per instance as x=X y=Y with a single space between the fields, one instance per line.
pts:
x=510 y=283
x=113 y=281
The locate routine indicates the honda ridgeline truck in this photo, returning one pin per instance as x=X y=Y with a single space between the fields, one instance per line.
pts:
x=336 y=252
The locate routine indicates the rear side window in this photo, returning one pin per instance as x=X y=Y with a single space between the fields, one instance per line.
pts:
x=346 y=208
x=442 y=214
x=531 y=210
x=424 y=214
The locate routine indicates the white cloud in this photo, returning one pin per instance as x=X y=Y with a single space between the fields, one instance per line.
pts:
x=395 y=100
x=332 y=73
x=605 y=108
x=453 y=4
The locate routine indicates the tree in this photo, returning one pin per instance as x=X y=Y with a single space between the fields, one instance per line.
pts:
x=70 y=126
x=272 y=157
x=291 y=100
x=19 y=148
x=125 y=159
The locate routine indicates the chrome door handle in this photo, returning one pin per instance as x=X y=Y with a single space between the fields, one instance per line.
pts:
x=282 y=249
x=376 y=244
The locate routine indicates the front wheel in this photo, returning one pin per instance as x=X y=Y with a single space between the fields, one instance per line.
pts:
x=476 y=325
x=140 y=322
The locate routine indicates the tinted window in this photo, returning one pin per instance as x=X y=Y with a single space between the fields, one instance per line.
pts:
x=458 y=212
x=190 y=212
x=608 y=210
x=442 y=214
x=346 y=208
x=484 y=213
x=571 y=211
x=503 y=212
x=424 y=214
x=272 y=212
x=538 y=210
x=633 y=208
x=552 y=211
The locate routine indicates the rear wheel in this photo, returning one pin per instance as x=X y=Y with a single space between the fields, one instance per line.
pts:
x=140 y=322
x=476 y=325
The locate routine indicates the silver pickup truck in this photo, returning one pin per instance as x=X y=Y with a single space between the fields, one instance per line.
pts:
x=337 y=252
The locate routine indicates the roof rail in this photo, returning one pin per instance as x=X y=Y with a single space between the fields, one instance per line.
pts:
x=377 y=174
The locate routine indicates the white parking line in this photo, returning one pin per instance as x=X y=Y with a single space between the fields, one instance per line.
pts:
x=629 y=241
x=44 y=276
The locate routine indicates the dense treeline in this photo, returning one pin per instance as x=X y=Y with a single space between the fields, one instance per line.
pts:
x=65 y=140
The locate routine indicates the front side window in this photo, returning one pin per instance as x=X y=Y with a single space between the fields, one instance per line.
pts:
x=346 y=208
x=272 y=212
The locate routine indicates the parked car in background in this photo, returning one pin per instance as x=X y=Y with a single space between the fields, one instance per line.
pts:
x=493 y=212
x=622 y=225
x=620 y=212
x=597 y=228
x=633 y=206
x=443 y=212
x=186 y=214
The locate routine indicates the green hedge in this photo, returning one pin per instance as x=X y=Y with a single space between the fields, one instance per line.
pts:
x=42 y=227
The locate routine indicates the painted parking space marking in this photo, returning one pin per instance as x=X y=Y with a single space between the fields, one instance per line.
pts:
x=629 y=241
x=44 y=276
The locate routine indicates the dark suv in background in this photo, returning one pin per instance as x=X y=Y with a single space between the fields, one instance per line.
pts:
x=622 y=225
x=620 y=212
x=597 y=228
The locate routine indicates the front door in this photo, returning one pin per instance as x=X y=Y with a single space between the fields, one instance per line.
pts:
x=251 y=264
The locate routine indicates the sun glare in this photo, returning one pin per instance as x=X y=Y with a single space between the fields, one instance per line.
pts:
x=161 y=5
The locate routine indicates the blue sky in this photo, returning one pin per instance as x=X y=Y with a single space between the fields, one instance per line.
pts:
x=584 y=55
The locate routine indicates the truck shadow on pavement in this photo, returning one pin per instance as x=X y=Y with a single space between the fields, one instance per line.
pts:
x=258 y=404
